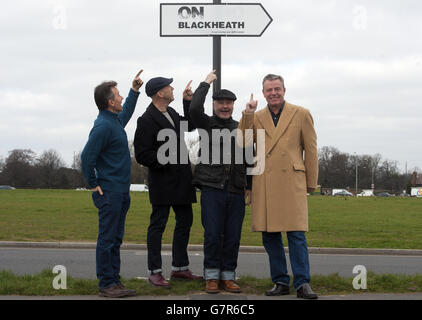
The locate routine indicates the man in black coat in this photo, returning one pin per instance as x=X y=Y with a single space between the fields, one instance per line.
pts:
x=160 y=146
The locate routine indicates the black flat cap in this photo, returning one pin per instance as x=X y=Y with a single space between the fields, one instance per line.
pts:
x=224 y=95
x=156 y=84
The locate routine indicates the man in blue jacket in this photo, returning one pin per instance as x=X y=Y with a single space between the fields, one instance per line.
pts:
x=106 y=166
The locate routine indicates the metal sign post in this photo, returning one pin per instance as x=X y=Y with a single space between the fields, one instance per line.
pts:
x=216 y=57
x=215 y=20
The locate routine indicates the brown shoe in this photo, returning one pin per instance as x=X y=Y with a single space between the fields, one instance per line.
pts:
x=212 y=286
x=184 y=275
x=130 y=292
x=158 y=280
x=113 y=292
x=230 y=286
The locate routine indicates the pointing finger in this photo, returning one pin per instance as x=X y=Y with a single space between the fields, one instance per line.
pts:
x=139 y=73
x=188 y=86
x=251 y=97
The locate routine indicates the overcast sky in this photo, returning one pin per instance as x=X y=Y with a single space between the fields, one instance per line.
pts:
x=356 y=65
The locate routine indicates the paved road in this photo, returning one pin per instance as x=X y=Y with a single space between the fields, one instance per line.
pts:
x=80 y=263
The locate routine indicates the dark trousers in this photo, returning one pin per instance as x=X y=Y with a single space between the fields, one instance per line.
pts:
x=298 y=253
x=112 y=210
x=158 y=221
x=222 y=215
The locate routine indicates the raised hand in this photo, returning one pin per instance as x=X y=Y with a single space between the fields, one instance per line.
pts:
x=137 y=82
x=188 y=93
x=251 y=105
x=211 y=77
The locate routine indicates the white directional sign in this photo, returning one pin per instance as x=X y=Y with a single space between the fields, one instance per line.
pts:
x=207 y=19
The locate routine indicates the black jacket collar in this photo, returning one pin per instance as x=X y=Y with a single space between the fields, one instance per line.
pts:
x=161 y=119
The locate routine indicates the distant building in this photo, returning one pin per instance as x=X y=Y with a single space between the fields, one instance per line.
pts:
x=416 y=180
x=416 y=190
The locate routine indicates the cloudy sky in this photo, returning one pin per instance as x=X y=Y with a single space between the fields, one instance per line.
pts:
x=356 y=65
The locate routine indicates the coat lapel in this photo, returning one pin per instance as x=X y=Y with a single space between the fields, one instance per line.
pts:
x=284 y=121
x=267 y=122
x=159 y=118
x=175 y=116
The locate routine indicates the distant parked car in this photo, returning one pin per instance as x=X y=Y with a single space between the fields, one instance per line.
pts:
x=344 y=194
x=384 y=194
x=7 y=188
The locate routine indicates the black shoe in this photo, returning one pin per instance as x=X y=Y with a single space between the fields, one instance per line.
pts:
x=278 y=290
x=306 y=292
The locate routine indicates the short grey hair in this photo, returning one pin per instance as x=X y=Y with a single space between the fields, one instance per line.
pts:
x=272 y=77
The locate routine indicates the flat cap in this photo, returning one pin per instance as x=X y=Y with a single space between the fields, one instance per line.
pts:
x=224 y=95
x=156 y=84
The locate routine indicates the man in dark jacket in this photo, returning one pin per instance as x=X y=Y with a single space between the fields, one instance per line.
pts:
x=222 y=179
x=170 y=183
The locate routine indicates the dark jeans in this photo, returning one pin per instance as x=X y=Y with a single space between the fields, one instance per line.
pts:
x=158 y=221
x=112 y=210
x=222 y=215
x=298 y=253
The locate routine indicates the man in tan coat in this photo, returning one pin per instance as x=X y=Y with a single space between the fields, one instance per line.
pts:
x=279 y=192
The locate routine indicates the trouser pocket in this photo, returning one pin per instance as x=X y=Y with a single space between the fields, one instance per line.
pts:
x=100 y=201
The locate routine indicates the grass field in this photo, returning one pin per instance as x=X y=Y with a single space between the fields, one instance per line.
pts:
x=67 y=215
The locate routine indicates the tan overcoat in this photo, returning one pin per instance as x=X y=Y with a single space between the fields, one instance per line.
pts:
x=279 y=201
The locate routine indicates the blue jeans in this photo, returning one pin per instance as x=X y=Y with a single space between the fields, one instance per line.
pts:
x=222 y=216
x=112 y=210
x=298 y=253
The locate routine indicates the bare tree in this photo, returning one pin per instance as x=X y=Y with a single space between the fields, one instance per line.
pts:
x=77 y=162
x=49 y=164
x=417 y=170
x=335 y=168
x=338 y=170
x=2 y=165
x=18 y=170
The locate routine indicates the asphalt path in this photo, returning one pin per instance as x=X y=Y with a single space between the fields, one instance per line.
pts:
x=80 y=263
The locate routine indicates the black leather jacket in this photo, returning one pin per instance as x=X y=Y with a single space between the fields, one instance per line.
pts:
x=222 y=172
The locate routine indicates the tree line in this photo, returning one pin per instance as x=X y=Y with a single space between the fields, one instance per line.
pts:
x=339 y=170
x=23 y=168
